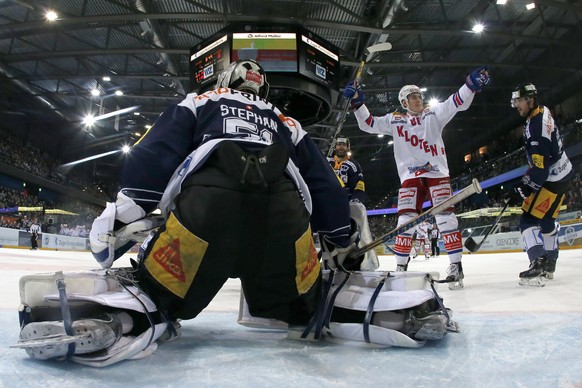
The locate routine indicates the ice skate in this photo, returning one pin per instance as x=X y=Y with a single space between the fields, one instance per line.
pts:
x=430 y=327
x=47 y=339
x=401 y=267
x=455 y=276
x=533 y=276
x=549 y=267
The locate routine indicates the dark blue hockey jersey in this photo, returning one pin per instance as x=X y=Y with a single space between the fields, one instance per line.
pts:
x=350 y=173
x=186 y=133
x=543 y=146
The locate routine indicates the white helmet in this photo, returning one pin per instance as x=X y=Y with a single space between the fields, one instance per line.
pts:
x=406 y=91
x=244 y=75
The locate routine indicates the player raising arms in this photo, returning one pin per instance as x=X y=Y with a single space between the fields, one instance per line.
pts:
x=420 y=155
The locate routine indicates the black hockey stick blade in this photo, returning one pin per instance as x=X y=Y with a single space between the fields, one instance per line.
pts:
x=472 y=246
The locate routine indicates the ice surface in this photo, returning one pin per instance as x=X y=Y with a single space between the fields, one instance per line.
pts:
x=511 y=336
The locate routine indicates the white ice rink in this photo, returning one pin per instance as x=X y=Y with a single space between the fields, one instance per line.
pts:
x=511 y=336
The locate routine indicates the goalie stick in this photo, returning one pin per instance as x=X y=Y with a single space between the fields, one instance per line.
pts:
x=473 y=188
x=471 y=245
x=370 y=50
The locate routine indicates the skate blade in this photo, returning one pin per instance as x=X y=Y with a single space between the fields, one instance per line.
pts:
x=456 y=285
x=453 y=327
x=532 y=282
x=49 y=340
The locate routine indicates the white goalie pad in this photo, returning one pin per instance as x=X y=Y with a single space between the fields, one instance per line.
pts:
x=91 y=291
x=394 y=298
x=358 y=213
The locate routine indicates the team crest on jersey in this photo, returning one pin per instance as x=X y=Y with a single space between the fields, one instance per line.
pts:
x=419 y=170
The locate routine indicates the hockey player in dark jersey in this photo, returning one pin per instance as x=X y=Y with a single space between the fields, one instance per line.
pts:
x=350 y=173
x=542 y=187
x=240 y=186
x=348 y=170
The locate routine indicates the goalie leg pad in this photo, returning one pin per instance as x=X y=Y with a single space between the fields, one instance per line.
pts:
x=89 y=295
x=46 y=340
x=358 y=213
x=382 y=309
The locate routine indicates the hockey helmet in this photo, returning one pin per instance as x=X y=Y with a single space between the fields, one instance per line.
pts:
x=245 y=75
x=525 y=90
x=344 y=140
x=406 y=91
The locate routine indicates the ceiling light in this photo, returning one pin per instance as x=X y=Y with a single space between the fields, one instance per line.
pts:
x=95 y=92
x=126 y=149
x=381 y=135
x=106 y=78
x=433 y=101
x=477 y=28
x=118 y=93
x=501 y=2
x=89 y=120
x=51 y=16
x=391 y=142
x=423 y=89
x=530 y=6
x=148 y=126
x=136 y=113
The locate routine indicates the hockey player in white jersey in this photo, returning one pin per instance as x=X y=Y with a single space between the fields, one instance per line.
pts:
x=420 y=155
x=422 y=238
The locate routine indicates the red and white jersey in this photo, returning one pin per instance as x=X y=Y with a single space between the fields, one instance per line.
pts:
x=422 y=231
x=419 y=149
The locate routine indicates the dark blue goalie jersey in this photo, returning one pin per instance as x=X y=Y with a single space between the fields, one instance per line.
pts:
x=225 y=113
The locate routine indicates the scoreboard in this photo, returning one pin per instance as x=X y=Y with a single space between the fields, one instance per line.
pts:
x=209 y=61
x=290 y=51
x=319 y=62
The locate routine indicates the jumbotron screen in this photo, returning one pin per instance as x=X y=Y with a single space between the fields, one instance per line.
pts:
x=275 y=51
x=208 y=62
x=319 y=62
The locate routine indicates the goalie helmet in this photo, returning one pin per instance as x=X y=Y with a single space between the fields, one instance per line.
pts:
x=245 y=75
x=406 y=91
x=525 y=90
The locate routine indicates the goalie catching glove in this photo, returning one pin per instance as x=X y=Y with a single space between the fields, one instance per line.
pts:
x=118 y=228
x=334 y=257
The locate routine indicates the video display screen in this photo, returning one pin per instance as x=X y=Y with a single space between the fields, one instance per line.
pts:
x=208 y=62
x=318 y=62
x=276 y=52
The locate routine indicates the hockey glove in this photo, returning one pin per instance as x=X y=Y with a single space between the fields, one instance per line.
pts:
x=118 y=228
x=518 y=194
x=336 y=257
x=355 y=94
x=478 y=78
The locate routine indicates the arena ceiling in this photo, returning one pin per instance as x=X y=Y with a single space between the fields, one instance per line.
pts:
x=48 y=68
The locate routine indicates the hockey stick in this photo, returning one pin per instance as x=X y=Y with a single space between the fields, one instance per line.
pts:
x=473 y=188
x=471 y=245
x=370 y=50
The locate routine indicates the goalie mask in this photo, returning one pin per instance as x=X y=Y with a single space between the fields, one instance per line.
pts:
x=526 y=90
x=406 y=91
x=245 y=75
